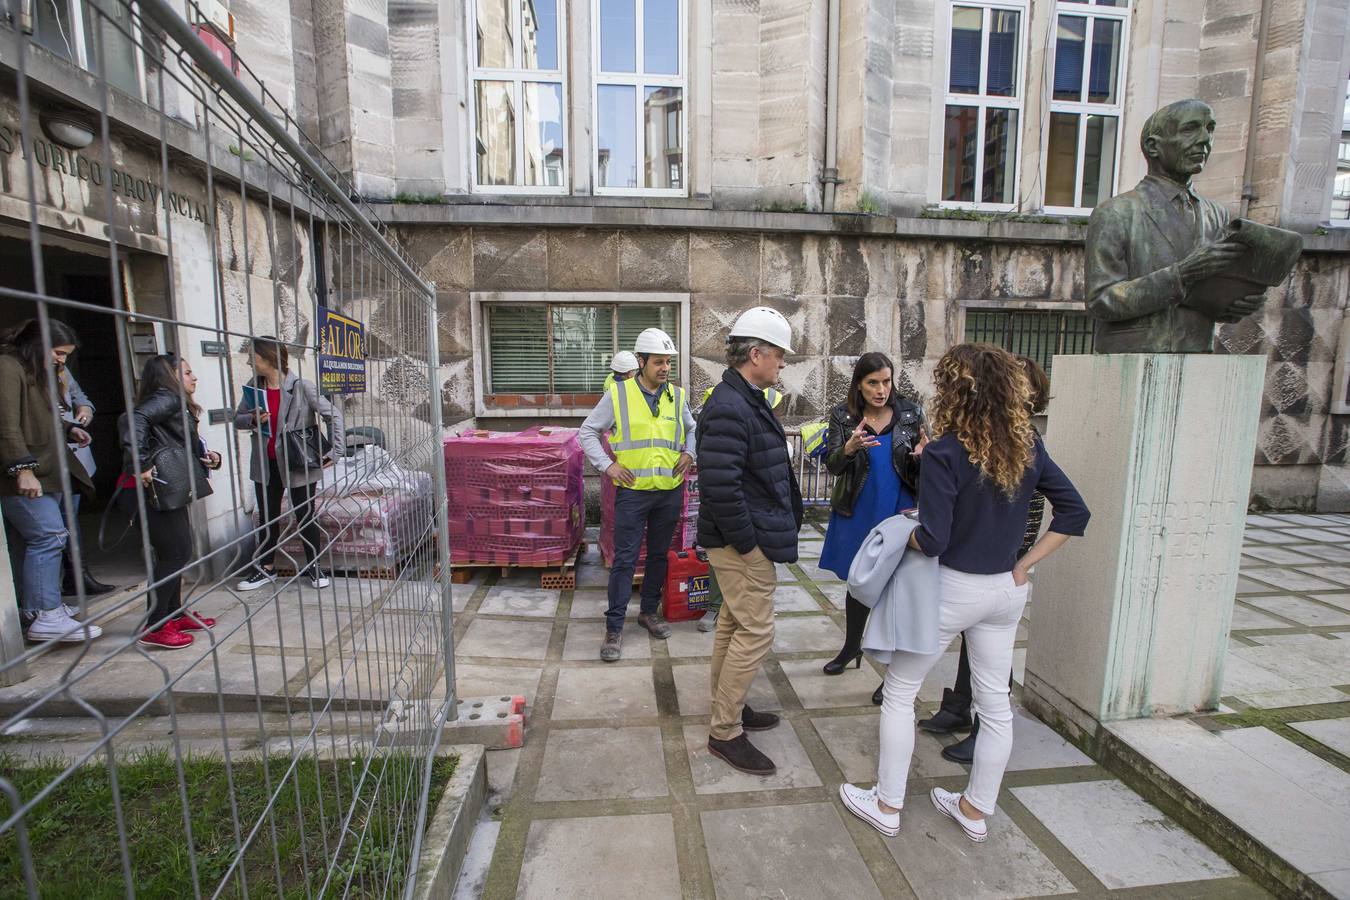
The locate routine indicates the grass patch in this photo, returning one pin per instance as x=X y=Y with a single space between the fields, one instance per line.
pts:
x=72 y=833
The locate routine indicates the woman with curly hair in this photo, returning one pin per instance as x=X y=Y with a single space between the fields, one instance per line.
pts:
x=978 y=477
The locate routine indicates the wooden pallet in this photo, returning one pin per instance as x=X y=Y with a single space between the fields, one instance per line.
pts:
x=553 y=577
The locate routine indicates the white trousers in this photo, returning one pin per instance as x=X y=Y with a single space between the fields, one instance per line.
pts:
x=987 y=608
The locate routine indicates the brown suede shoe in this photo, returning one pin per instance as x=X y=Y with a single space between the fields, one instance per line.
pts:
x=757 y=721
x=741 y=755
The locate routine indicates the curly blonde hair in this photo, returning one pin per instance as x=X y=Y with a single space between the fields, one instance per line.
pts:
x=985 y=399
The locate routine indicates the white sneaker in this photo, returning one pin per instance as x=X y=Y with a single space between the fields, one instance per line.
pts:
x=708 y=622
x=949 y=805
x=318 y=578
x=864 y=805
x=56 y=625
x=256 y=578
x=71 y=611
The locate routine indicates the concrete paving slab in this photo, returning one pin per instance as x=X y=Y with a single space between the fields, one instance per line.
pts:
x=473 y=680
x=515 y=601
x=1244 y=618
x=1279 y=555
x=1123 y=840
x=940 y=862
x=1284 y=520
x=605 y=693
x=1285 y=579
x=1271 y=536
x=835 y=593
x=1243 y=789
x=601 y=857
x=1334 y=733
x=602 y=764
x=779 y=851
x=813 y=571
x=1329 y=552
x=1311 y=773
x=584 y=639
x=1314 y=665
x=1247 y=586
x=589 y=604
x=1340 y=600
x=942 y=675
x=807 y=634
x=1036 y=746
x=1297 y=609
x=1290 y=698
x=1318 y=535
x=1337 y=883
x=686 y=640
x=855 y=741
x=792 y=598
x=1337 y=573
x=501 y=767
x=505 y=640
x=816 y=690
x=712 y=776
x=693 y=692
x=592 y=576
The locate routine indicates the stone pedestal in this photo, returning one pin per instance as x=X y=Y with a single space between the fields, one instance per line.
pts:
x=1132 y=619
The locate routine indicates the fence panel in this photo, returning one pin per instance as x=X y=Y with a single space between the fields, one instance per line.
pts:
x=160 y=211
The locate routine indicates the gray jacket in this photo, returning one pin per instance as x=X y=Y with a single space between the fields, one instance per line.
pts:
x=301 y=405
x=901 y=586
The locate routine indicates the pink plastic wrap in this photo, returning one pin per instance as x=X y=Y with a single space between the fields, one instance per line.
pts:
x=686 y=531
x=515 y=498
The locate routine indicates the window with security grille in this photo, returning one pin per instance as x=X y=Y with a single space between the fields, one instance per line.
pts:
x=1037 y=333
x=553 y=349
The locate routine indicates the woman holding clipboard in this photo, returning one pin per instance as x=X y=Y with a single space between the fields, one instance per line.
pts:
x=282 y=410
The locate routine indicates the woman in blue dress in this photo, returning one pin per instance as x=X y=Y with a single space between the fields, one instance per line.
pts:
x=875 y=439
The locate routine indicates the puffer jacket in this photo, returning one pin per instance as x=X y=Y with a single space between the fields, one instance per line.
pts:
x=850 y=472
x=748 y=493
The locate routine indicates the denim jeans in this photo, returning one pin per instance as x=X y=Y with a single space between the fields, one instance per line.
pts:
x=987 y=608
x=655 y=513
x=42 y=526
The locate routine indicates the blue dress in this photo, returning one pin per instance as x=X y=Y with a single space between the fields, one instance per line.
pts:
x=883 y=495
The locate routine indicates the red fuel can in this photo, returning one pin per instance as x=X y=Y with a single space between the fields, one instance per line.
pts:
x=686 y=592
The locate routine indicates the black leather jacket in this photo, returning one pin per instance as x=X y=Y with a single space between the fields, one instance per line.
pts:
x=159 y=417
x=850 y=472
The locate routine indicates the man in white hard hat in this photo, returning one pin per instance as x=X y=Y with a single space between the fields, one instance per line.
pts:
x=622 y=366
x=750 y=510
x=652 y=436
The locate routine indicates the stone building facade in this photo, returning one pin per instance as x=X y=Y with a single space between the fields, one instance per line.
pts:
x=891 y=174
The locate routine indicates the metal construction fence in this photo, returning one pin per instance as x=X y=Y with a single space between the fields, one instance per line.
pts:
x=161 y=205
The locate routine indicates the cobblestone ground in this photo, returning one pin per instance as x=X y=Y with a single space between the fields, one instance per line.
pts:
x=614 y=795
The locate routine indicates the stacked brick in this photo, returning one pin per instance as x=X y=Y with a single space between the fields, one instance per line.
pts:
x=515 y=499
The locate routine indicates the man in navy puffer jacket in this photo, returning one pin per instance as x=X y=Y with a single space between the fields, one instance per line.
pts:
x=750 y=509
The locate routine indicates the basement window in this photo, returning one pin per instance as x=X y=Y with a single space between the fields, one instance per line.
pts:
x=1037 y=333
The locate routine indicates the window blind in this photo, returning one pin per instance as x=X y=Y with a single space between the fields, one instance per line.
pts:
x=582 y=345
x=518 y=349
x=634 y=319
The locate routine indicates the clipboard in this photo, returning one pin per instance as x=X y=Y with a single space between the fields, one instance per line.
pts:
x=256 y=398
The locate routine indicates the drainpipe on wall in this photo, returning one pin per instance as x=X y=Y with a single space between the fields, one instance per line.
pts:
x=829 y=176
x=1258 y=77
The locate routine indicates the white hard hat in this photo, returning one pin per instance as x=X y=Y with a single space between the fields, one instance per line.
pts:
x=623 y=361
x=654 y=340
x=766 y=324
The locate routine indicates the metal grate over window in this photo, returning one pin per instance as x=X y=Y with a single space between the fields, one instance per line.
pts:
x=1037 y=333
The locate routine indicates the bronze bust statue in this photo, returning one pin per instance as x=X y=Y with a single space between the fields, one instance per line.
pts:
x=1163 y=265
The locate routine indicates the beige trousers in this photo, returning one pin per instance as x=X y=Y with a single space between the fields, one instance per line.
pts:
x=744 y=632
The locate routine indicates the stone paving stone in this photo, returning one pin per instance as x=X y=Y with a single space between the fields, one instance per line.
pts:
x=942 y=675
x=1243 y=789
x=1328 y=552
x=1338 y=574
x=472 y=680
x=693 y=691
x=712 y=776
x=592 y=576
x=1247 y=618
x=1247 y=586
x=1296 y=639
x=606 y=692
x=1268 y=536
x=834 y=592
x=1339 y=600
x=1314 y=665
x=686 y=640
x=1297 y=609
x=855 y=741
x=940 y=862
x=1311 y=773
x=1278 y=555
x=794 y=599
x=816 y=690
x=807 y=634
x=1337 y=883
x=785 y=575
x=1291 y=697
x=1334 y=733
x=602 y=857
x=1287 y=519
x=1318 y=535
x=584 y=638
x=589 y=604
x=816 y=573
x=1036 y=746
x=505 y=640
x=512 y=601
x=602 y=764
x=784 y=851
x=1123 y=840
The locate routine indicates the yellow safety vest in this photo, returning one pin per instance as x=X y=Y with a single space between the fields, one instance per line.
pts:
x=813 y=437
x=648 y=445
x=771 y=395
x=609 y=383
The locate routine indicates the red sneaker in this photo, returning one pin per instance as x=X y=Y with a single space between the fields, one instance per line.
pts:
x=192 y=622
x=166 y=638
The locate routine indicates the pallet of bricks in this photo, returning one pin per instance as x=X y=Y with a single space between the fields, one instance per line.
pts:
x=372 y=515
x=516 y=501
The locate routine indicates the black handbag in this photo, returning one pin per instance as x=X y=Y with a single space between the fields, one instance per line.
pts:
x=179 y=478
x=305 y=449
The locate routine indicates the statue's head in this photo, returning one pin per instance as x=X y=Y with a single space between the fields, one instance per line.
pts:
x=1177 y=139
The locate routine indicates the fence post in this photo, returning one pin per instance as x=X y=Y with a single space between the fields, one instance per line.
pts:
x=439 y=502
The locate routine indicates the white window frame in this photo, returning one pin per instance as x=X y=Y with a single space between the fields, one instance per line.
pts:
x=482 y=366
x=1089 y=11
x=518 y=77
x=640 y=82
x=981 y=102
x=80 y=43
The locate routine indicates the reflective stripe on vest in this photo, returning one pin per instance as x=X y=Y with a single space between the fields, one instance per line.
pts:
x=813 y=437
x=648 y=445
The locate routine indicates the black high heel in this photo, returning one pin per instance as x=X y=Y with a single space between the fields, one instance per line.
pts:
x=837 y=665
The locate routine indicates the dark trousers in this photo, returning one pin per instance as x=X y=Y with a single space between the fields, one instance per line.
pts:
x=657 y=513
x=171 y=541
x=269 y=506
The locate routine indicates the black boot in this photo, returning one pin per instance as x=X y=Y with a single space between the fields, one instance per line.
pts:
x=963 y=751
x=92 y=586
x=855 y=620
x=953 y=716
x=877 y=694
